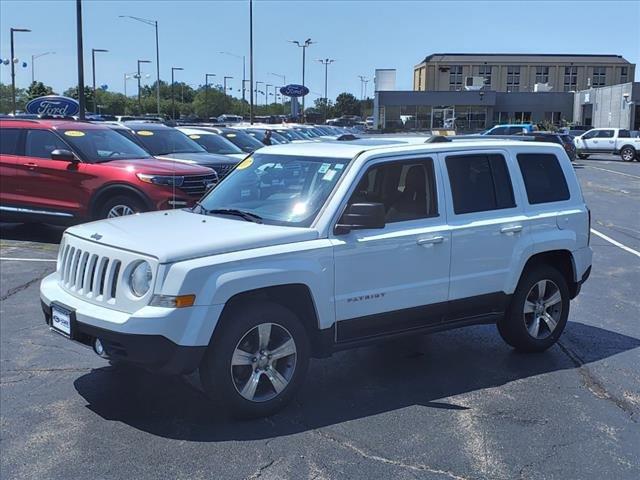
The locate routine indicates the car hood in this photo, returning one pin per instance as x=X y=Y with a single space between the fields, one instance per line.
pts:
x=176 y=235
x=158 y=166
x=203 y=158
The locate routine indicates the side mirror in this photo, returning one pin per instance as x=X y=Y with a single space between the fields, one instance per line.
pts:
x=360 y=216
x=63 y=155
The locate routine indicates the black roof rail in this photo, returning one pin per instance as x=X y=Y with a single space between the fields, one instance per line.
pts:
x=437 y=139
x=345 y=137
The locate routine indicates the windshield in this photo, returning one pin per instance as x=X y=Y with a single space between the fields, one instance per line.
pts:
x=243 y=141
x=282 y=189
x=103 y=145
x=214 y=143
x=290 y=135
x=164 y=142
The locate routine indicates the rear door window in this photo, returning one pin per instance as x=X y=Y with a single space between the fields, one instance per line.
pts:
x=605 y=134
x=624 y=134
x=9 y=141
x=479 y=183
x=543 y=178
x=40 y=143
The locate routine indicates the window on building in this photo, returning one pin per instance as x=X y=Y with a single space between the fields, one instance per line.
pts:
x=513 y=78
x=570 y=78
x=599 y=77
x=624 y=74
x=485 y=71
x=9 y=141
x=522 y=117
x=406 y=188
x=455 y=77
x=542 y=74
x=543 y=178
x=479 y=183
x=553 y=117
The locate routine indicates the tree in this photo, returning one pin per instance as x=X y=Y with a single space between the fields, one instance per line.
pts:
x=347 y=104
x=88 y=96
x=5 y=98
x=38 y=89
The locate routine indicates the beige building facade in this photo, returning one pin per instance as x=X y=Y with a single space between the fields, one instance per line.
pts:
x=521 y=72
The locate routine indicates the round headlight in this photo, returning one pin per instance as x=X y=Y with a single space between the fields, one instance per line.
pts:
x=140 y=279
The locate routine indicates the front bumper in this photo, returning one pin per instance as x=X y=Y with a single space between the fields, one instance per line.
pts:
x=165 y=340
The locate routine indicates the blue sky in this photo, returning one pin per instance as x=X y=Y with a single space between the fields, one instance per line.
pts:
x=359 y=35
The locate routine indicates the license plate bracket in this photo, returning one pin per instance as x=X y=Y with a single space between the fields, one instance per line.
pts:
x=62 y=320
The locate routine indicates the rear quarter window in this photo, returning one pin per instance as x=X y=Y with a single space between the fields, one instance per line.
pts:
x=543 y=178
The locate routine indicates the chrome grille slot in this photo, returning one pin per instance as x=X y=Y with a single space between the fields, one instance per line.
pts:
x=87 y=287
x=103 y=276
x=73 y=274
x=82 y=270
x=197 y=185
x=114 y=279
x=67 y=265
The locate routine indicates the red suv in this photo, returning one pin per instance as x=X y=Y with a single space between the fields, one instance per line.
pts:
x=61 y=171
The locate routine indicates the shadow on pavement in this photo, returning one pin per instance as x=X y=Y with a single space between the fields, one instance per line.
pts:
x=31 y=232
x=348 y=386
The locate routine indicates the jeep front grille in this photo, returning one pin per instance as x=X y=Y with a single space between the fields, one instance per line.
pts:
x=89 y=274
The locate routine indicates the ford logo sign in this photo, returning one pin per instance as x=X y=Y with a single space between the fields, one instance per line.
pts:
x=294 y=90
x=53 y=105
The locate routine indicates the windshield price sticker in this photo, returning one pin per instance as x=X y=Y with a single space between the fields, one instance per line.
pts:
x=144 y=133
x=324 y=168
x=339 y=166
x=195 y=137
x=246 y=163
x=329 y=175
x=74 y=133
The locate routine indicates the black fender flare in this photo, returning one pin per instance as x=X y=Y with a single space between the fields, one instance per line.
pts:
x=112 y=188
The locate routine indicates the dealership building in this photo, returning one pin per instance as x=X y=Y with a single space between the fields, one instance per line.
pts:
x=470 y=92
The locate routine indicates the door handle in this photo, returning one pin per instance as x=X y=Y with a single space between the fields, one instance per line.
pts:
x=430 y=240
x=30 y=165
x=511 y=229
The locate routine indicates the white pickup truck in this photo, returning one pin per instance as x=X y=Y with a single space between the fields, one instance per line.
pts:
x=617 y=141
x=307 y=249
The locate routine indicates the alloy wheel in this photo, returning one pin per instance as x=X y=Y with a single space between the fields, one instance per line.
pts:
x=120 y=211
x=628 y=154
x=542 y=309
x=263 y=362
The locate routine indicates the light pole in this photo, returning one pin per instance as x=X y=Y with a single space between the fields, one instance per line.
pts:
x=173 y=99
x=153 y=23
x=13 y=69
x=266 y=94
x=139 y=76
x=256 y=83
x=128 y=76
x=80 y=52
x=93 y=74
x=206 y=88
x=363 y=81
x=244 y=69
x=304 y=46
x=282 y=77
x=251 y=61
x=326 y=62
x=224 y=82
x=33 y=61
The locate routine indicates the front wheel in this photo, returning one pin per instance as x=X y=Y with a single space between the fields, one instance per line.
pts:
x=120 y=206
x=628 y=154
x=257 y=360
x=538 y=312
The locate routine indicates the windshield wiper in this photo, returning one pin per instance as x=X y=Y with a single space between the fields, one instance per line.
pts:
x=248 y=216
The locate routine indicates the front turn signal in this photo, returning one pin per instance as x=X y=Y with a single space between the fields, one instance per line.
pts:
x=173 y=301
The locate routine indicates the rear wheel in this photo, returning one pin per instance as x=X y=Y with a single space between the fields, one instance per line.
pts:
x=257 y=360
x=582 y=156
x=120 y=206
x=628 y=154
x=538 y=312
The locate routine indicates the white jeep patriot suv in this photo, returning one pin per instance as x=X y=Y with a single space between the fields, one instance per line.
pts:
x=306 y=249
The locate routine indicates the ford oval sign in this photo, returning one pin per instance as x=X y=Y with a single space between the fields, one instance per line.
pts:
x=294 y=90
x=53 y=105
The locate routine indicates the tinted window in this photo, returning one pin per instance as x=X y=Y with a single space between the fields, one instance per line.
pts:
x=214 y=143
x=103 y=145
x=543 y=178
x=407 y=189
x=516 y=130
x=624 y=134
x=40 y=143
x=605 y=134
x=479 y=183
x=166 y=141
x=499 y=131
x=9 y=141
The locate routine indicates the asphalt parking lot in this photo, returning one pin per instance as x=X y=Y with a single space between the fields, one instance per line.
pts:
x=453 y=405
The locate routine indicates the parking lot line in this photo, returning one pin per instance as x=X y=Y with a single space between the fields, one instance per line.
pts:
x=9 y=259
x=617 y=244
x=613 y=171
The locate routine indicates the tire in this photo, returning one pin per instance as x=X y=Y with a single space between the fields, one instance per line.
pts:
x=627 y=154
x=583 y=156
x=539 y=329
x=238 y=337
x=119 y=205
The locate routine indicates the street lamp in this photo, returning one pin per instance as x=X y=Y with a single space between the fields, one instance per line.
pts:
x=326 y=62
x=363 y=86
x=284 y=79
x=139 y=76
x=224 y=82
x=256 y=90
x=304 y=46
x=93 y=72
x=244 y=69
x=33 y=61
x=173 y=100
x=206 y=88
x=128 y=76
x=153 y=23
x=13 y=68
x=266 y=94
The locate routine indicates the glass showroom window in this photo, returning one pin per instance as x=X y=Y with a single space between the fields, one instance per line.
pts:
x=570 y=78
x=542 y=74
x=424 y=117
x=485 y=71
x=408 y=116
x=522 y=117
x=599 y=77
x=455 y=77
x=513 y=78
